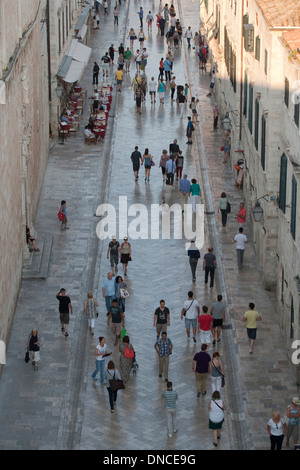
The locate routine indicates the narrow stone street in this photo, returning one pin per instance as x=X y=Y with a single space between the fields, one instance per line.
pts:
x=60 y=406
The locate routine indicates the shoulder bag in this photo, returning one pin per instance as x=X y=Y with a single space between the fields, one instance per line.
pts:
x=222 y=376
x=116 y=384
x=189 y=307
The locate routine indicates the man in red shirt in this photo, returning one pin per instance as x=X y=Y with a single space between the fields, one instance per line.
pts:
x=205 y=321
x=241 y=216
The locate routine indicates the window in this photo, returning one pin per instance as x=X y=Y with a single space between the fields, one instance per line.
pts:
x=59 y=36
x=292 y=319
x=293 y=207
x=245 y=95
x=286 y=92
x=282 y=183
x=257 y=48
x=249 y=37
x=250 y=108
x=266 y=62
x=263 y=143
x=256 y=123
x=296 y=110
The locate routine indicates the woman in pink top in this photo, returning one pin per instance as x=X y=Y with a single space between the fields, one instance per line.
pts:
x=204 y=326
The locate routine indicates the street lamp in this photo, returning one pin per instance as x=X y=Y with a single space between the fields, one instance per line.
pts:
x=226 y=122
x=257 y=212
x=59 y=91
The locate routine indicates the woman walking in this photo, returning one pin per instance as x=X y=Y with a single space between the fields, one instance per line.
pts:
x=223 y=208
x=112 y=373
x=276 y=429
x=147 y=162
x=138 y=96
x=100 y=353
x=125 y=254
x=195 y=193
x=161 y=90
x=119 y=286
x=126 y=358
x=33 y=346
x=163 y=159
x=217 y=371
x=179 y=165
x=216 y=408
x=90 y=310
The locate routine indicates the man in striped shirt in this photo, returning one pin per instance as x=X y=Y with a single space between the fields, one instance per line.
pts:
x=170 y=397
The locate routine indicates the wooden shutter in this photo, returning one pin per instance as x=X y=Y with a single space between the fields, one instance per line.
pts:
x=263 y=143
x=282 y=183
x=294 y=207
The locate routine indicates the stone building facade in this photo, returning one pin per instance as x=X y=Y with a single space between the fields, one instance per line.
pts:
x=24 y=137
x=255 y=50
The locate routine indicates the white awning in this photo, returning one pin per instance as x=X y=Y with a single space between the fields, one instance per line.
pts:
x=74 y=62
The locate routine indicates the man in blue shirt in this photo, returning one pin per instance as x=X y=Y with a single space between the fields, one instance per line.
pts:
x=108 y=290
x=184 y=187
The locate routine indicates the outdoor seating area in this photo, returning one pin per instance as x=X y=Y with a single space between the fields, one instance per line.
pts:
x=70 y=119
x=99 y=110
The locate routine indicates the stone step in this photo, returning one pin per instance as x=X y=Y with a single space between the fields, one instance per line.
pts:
x=38 y=264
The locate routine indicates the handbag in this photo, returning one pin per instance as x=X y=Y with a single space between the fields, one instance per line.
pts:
x=222 y=378
x=152 y=163
x=124 y=293
x=27 y=358
x=116 y=384
x=60 y=216
x=228 y=207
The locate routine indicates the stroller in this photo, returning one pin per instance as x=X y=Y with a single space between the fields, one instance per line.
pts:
x=134 y=364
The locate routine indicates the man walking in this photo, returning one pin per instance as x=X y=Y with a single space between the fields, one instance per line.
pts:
x=65 y=307
x=136 y=158
x=108 y=290
x=161 y=318
x=194 y=255
x=184 y=188
x=116 y=316
x=170 y=170
x=113 y=254
x=240 y=239
x=217 y=311
x=251 y=317
x=170 y=396
x=201 y=365
x=204 y=326
x=241 y=215
x=163 y=347
x=190 y=312
x=209 y=266
x=181 y=99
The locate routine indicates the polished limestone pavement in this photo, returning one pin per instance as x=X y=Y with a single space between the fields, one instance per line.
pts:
x=60 y=407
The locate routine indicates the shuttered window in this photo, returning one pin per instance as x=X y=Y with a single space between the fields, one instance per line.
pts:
x=286 y=92
x=282 y=183
x=245 y=95
x=263 y=143
x=256 y=124
x=293 y=207
x=296 y=112
x=257 y=48
x=250 y=108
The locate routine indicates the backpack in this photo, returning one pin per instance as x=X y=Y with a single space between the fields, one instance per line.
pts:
x=129 y=353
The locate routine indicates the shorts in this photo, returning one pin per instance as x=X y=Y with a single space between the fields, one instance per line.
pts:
x=114 y=259
x=161 y=327
x=148 y=167
x=251 y=332
x=64 y=317
x=190 y=322
x=116 y=328
x=106 y=66
x=152 y=92
x=217 y=322
x=211 y=85
x=205 y=337
x=119 y=82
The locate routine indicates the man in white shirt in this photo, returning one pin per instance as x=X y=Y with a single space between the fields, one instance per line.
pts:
x=240 y=239
x=152 y=89
x=189 y=36
x=190 y=311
